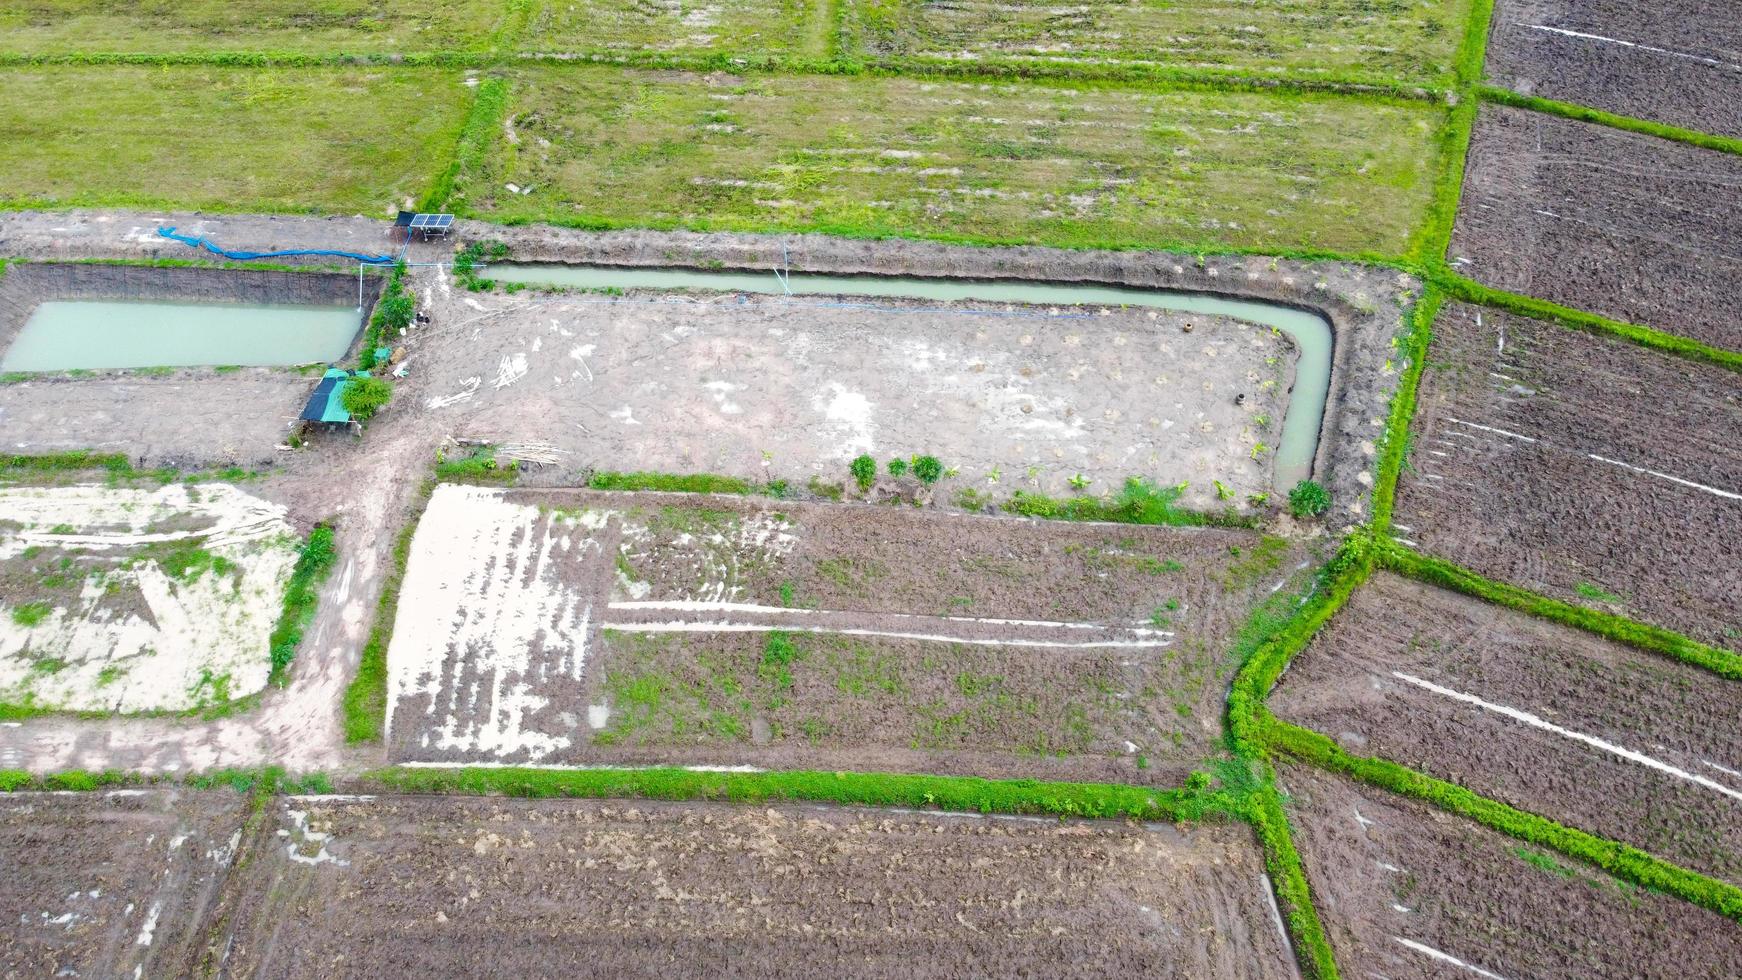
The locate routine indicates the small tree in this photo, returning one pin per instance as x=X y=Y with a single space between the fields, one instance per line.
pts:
x=898 y=467
x=395 y=311
x=1308 y=499
x=364 y=397
x=864 y=470
x=928 y=469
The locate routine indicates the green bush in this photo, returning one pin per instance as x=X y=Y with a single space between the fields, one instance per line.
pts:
x=928 y=469
x=898 y=467
x=1309 y=498
x=395 y=311
x=864 y=470
x=365 y=396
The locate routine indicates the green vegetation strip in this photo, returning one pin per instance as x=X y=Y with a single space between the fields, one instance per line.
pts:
x=1434 y=571
x=1705 y=141
x=955 y=793
x=300 y=600
x=1138 y=502
x=1396 y=442
x=365 y=707
x=471 y=152
x=1288 y=876
x=1620 y=860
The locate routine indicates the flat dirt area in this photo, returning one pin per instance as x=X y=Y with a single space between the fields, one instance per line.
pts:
x=120 y=599
x=111 y=884
x=587 y=628
x=1677 y=62
x=510 y=888
x=1405 y=890
x=1580 y=467
x=1633 y=227
x=1014 y=397
x=1592 y=734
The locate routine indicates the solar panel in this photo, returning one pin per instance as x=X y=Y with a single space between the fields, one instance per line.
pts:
x=432 y=222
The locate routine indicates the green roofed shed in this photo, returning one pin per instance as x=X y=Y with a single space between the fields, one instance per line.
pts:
x=327 y=404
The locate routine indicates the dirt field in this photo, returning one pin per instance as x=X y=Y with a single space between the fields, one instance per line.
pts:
x=638 y=629
x=1676 y=62
x=1404 y=890
x=1633 y=227
x=1580 y=467
x=1589 y=733
x=515 y=888
x=125 y=599
x=111 y=884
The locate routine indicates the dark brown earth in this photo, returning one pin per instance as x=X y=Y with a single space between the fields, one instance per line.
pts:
x=707 y=649
x=1347 y=684
x=103 y=884
x=1681 y=62
x=411 y=886
x=1545 y=515
x=1384 y=868
x=1633 y=227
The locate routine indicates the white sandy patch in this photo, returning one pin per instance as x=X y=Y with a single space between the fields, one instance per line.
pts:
x=715 y=557
x=480 y=592
x=194 y=639
x=847 y=419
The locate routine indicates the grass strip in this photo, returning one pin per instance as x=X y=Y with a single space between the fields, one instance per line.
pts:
x=1620 y=860
x=1654 y=639
x=1435 y=231
x=1138 y=502
x=1468 y=290
x=1396 y=443
x=472 y=150
x=300 y=599
x=672 y=483
x=963 y=794
x=365 y=705
x=1579 y=113
x=79 y=459
x=1288 y=877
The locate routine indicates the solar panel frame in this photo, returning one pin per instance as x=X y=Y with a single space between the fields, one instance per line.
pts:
x=432 y=222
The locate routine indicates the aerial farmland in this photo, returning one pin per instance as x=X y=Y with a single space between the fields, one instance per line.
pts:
x=870 y=488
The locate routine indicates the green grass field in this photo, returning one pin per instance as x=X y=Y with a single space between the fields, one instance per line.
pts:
x=782 y=27
x=337 y=140
x=1009 y=162
x=178 y=26
x=1313 y=40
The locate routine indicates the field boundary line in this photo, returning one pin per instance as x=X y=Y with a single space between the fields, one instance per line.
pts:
x=1435 y=233
x=1312 y=949
x=1395 y=443
x=482 y=127
x=1623 y=861
x=363 y=709
x=1600 y=117
x=1643 y=636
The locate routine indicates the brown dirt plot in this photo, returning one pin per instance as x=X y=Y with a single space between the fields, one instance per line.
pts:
x=1633 y=227
x=491 y=887
x=1580 y=467
x=659 y=628
x=1401 y=885
x=1533 y=714
x=1675 y=62
x=105 y=883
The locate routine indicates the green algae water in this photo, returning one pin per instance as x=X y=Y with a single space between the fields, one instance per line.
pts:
x=1310 y=331
x=68 y=335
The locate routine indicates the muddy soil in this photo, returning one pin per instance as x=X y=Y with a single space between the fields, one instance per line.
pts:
x=1365 y=681
x=1674 y=62
x=1633 y=227
x=506 y=888
x=1529 y=446
x=1397 y=882
x=110 y=884
x=590 y=628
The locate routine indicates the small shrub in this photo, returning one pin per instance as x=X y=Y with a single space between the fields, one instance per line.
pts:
x=928 y=469
x=864 y=470
x=365 y=396
x=1308 y=499
x=898 y=467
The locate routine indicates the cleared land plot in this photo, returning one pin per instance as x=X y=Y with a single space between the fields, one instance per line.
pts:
x=105 y=884
x=578 y=627
x=1308 y=39
x=1633 y=227
x=349 y=139
x=746 y=27
x=1019 y=162
x=1677 y=62
x=1013 y=397
x=119 y=599
x=1581 y=467
x=1405 y=889
x=328 y=27
x=515 y=888
x=1592 y=734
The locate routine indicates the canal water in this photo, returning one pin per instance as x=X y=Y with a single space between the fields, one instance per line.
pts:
x=1310 y=331
x=66 y=335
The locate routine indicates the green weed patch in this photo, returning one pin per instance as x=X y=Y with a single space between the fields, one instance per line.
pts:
x=300 y=600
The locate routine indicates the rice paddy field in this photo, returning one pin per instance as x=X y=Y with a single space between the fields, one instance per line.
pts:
x=598 y=615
